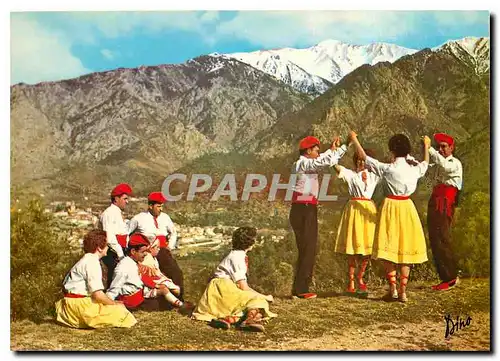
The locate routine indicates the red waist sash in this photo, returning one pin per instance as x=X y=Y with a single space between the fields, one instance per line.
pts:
x=163 y=241
x=73 y=295
x=133 y=300
x=304 y=199
x=122 y=239
x=444 y=197
x=399 y=198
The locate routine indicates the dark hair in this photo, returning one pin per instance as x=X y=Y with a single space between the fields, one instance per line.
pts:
x=152 y=203
x=93 y=240
x=400 y=145
x=368 y=152
x=244 y=237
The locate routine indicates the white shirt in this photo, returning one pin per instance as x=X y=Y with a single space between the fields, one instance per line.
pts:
x=126 y=279
x=85 y=277
x=307 y=168
x=449 y=169
x=144 y=223
x=400 y=177
x=233 y=267
x=354 y=180
x=112 y=222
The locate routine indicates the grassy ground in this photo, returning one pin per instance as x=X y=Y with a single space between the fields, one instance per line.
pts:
x=330 y=322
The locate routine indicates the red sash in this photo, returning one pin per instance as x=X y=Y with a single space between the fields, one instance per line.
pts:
x=163 y=241
x=360 y=199
x=399 y=198
x=122 y=239
x=133 y=300
x=73 y=295
x=309 y=199
x=444 y=196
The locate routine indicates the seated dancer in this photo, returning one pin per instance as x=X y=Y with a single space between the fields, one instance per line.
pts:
x=138 y=292
x=399 y=238
x=85 y=305
x=359 y=218
x=228 y=299
x=149 y=267
x=156 y=224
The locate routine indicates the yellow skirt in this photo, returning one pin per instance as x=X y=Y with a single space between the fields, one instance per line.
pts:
x=223 y=298
x=400 y=236
x=83 y=313
x=357 y=228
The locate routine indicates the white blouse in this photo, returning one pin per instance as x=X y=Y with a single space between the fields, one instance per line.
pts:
x=400 y=177
x=233 y=267
x=354 y=180
x=85 y=277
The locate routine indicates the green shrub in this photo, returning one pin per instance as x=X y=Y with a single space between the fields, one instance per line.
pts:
x=40 y=258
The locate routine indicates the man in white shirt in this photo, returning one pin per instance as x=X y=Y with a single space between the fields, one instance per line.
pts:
x=304 y=212
x=441 y=209
x=155 y=224
x=134 y=289
x=111 y=221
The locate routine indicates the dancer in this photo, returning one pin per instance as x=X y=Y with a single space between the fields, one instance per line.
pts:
x=357 y=225
x=399 y=237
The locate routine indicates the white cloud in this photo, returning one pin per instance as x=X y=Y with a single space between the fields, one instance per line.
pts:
x=292 y=28
x=38 y=54
x=108 y=54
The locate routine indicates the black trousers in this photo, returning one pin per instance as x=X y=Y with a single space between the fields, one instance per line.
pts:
x=170 y=268
x=153 y=304
x=439 y=225
x=110 y=260
x=304 y=222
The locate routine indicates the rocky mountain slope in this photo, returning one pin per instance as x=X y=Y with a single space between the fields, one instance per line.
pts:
x=150 y=120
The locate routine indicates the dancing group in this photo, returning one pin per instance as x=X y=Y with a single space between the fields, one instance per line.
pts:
x=142 y=274
x=393 y=235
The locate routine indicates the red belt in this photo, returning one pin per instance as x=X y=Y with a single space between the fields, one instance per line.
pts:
x=133 y=300
x=306 y=199
x=73 y=295
x=360 y=199
x=163 y=242
x=399 y=198
x=444 y=195
x=122 y=240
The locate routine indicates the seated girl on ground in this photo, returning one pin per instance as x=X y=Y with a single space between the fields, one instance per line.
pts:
x=228 y=299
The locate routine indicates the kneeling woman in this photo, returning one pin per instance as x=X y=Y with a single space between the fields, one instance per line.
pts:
x=85 y=305
x=228 y=299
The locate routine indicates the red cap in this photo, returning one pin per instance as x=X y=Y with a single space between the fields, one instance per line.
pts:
x=443 y=137
x=138 y=239
x=156 y=197
x=122 y=188
x=308 y=142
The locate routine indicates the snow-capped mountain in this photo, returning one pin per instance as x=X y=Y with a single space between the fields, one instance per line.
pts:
x=472 y=50
x=313 y=70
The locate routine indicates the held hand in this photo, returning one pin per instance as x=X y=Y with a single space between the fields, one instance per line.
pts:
x=427 y=142
x=335 y=143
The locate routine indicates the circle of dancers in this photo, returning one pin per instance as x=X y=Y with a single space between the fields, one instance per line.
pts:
x=141 y=272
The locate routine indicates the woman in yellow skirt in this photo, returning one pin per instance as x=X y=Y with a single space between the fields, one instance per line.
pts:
x=85 y=305
x=228 y=300
x=357 y=225
x=399 y=238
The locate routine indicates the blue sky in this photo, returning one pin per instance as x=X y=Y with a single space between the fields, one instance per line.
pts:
x=49 y=46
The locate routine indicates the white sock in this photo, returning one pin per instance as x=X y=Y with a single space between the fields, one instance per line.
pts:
x=173 y=300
